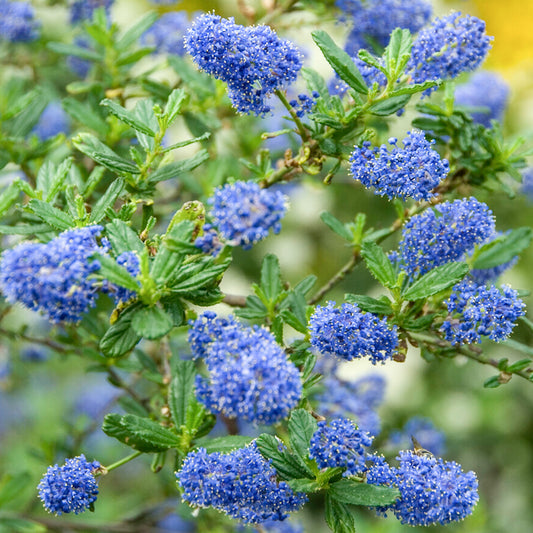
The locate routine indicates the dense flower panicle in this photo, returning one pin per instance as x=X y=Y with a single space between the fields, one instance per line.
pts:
x=244 y=213
x=374 y=20
x=253 y=60
x=409 y=172
x=444 y=234
x=82 y=10
x=350 y=333
x=166 y=34
x=17 y=22
x=356 y=399
x=241 y=484
x=340 y=444
x=487 y=90
x=449 y=46
x=424 y=431
x=130 y=261
x=250 y=376
x=54 y=277
x=71 y=488
x=432 y=491
x=53 y=121
x=480 y=310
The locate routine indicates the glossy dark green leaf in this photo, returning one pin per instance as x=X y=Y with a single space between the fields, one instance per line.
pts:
x=51 y=215
x=378 y=263
x=339 y=517
x=120 y=338
x=336 y=225
x=357 y=493
x=151 y=322
x=173 y=170
x=436 y=280
x=303 y=485
x=369 y=304
x=181 y=390
x=340 y=61
x=389 y=106
x=123 y=238
x=271 y=277
x=302 y=426
x=107 y=200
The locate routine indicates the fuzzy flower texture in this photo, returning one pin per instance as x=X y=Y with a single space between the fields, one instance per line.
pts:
x=17 y=22
x=253 y=60
x=71 y=488
x=432 y=491
x=340 y=444
x=243 y=213
x=446 y=48
x=241 y=484
x=479 y=310
x=409 y=172
x=166 y=34
x=351 y=334
x=250 y=377
x=54 y=277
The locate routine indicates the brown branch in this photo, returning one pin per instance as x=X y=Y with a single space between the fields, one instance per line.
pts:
x=234 y=300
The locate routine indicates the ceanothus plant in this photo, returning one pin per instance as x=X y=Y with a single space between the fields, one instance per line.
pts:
x=135 y=184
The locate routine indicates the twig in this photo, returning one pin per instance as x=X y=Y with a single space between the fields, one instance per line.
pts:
x=234 y=300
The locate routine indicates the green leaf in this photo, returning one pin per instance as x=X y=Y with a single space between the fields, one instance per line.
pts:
x=223 y=444
x=29 y=116
x=131 y=35
x=302 y=427
x=116 y=273
x=255 y=309
x=336 y=225
x=73 y=50
x=86 y=115
x=51 y=215
x=187 y=142
x=181 y=391
x=107 y=200
x=510 y=246
x=304 y=286
x=356 y=493
x=120 y=338
x=519 y=365
x=315 y=82
x=271 y=277
x=389 y=106
x=286 y=464
x=140 y=433
x=339 y=517
x=123 y=238
x=436 y=280
x=12 y=485
x=378 y=263
x=8 y=197
x=165 y=265
x=126 y=116
x=176 y=100
x=205 y=297
x=492 y=383
x=173 y=170
x=304 y=485
x=398 y=52
x=341 y=62
x=207 y=275
x=369 y=304
x=93 y=148
x=151 y=322
x=10 y=524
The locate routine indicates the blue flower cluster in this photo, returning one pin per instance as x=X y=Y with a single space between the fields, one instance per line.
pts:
x=17 y=22
x=350 y=333
x=167 y=33
x=241 y=484
x=443 y=234
x=253 y=60
x=244 y=213
x=374 y=20
x=487 y=90
x=76 y=64
x=480 y=310
x=54 y=277
x=424 y=431
x=53 y=121
x=209 y=242
x=358 y=399
x=527 y=182
x=449 y=46
x=250 y=376
x=370 y=73
x=304 y=104
x=71 y=488
x=82 y=10
x=409 y=172
x=340 y=444
x=432 y=491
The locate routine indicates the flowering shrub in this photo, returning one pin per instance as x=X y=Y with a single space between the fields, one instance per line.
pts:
x=143 y=212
